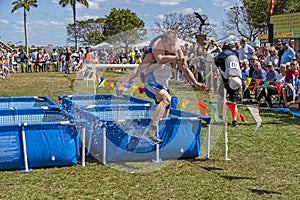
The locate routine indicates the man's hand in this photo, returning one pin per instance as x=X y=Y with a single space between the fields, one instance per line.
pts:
x=120 y=89
x=201 y=86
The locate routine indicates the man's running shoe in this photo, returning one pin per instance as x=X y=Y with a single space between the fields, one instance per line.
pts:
x=151 y=135
x=234 y=123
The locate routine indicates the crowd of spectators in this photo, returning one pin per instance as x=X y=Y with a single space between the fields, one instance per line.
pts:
x=272 y=64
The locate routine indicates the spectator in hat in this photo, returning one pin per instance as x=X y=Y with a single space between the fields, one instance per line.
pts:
x=289 y=54
x=272 y=73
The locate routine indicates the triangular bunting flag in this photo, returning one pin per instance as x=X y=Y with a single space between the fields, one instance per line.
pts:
x=99 y=80
x=215 y=115
x=135 y=87
x=183 y=103
x=127 y=86
x=233 y=110
x=255 y=113
x=112 y=84
x=103 y=83
x=208 y=75
x=85 y=74
x=202 y=107
x=266 y=84
x=141 y=90
x=248 y=82
x=91 y=74
x=277 y=84
x=257 y=81
x=116 y=84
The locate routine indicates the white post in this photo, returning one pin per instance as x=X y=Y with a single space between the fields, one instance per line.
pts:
x=83 y=148
x=225 y=126
x=24 y=147
x=90 y=139
x=208 y=142
x=94 y=81
x=104 y=146
x=157 y=146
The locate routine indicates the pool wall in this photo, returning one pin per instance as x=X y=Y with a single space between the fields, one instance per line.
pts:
x=38 y=137
x=114 y=139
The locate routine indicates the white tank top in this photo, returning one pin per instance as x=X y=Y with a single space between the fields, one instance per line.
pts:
x=161 y=75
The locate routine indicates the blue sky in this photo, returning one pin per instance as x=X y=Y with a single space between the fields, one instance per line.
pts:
x=47 y=23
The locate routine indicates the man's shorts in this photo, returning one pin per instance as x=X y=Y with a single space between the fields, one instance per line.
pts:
x=151 y=89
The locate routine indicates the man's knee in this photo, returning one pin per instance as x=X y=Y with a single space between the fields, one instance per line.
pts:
x=164 y=97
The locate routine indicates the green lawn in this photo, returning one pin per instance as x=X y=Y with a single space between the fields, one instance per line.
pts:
x=264 y=164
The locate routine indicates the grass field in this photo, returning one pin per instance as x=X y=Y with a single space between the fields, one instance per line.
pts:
x=264 y=164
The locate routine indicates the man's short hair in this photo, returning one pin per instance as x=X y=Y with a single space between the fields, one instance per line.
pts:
x=170 y=35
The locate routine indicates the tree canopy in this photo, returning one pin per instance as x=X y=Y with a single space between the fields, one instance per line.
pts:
x=253 y=16
x=121 y=27
x=64 y=3
x=25 y=4
x=187 y=25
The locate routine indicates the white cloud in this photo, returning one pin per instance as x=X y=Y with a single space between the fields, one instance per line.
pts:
x=4 y=21
x=190 y=11
x=164 y=2
x=86 y=17
x=220 y=3
x=59 y=23
x=160 y=17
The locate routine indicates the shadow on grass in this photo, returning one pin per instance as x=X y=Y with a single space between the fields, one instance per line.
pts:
x=231 y=178
x=262 y=192
x=280 y=118
x=212 y=168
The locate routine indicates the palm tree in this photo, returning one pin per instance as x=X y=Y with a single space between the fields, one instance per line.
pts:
x=64 y=3
x=26 y=4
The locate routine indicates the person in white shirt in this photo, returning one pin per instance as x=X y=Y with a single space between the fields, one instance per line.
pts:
x=245 y=51
x=273 y=57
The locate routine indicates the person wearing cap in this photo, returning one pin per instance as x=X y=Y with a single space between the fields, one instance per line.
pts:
x=289 y=54
x=272 y=73
x=292 y=89
x=229 y=67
